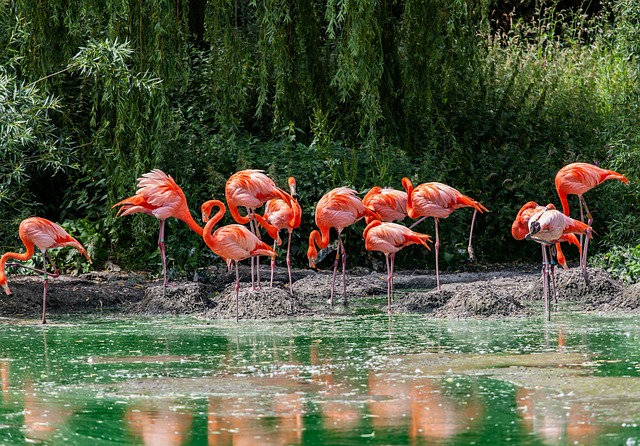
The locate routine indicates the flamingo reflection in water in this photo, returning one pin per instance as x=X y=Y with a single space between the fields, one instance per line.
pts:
x=160 y=423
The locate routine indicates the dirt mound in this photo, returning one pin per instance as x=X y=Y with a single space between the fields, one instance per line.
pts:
x=317 y=287
x=68 y=294
x=175 y=299
x=628 y=301
x=481 y=300
x=571 y=287
x=421 y=302
x=268 y=303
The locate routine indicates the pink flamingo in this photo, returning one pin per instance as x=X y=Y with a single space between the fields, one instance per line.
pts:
x=390 y=238
x=158 y=195
x=390 y=204
x=251 y=189
x=232 y=242
x=549 y=227
x=577 y=179
x=338 y=209
x=44 y=234
x=281 y=215
x=438 y=200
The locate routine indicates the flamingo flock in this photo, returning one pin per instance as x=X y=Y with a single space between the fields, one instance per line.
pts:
x=160 y=196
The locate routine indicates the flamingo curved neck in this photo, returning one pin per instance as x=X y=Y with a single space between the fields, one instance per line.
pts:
x=235 y=213
x=206 y=233
x=195 y=227
x=16 y=256
x=320 y=238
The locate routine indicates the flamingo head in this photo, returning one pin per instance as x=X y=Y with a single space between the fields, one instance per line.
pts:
x=312 y=255
x=5 y=285
x=292 y=188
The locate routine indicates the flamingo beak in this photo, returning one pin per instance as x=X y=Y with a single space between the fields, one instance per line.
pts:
x=5 y=287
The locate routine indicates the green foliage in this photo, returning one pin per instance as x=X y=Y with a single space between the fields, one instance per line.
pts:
x=622 y=262
x=335 y=93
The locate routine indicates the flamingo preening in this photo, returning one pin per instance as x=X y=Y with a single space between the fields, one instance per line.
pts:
x=45 y=234
x=389 y=203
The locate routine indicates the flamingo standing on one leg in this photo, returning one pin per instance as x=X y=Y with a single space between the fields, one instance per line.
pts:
x=44 y=234
x=338 y=209
x=520 y=230
x=232 y=242
x=390 y=238
x=281 y=215
x=438 y=200
x=548 y=227
x=251 y=189
x=389 y=203
x=159 y=195
x=576 y=179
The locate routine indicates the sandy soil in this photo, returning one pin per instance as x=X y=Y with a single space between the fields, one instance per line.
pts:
x=496 y=293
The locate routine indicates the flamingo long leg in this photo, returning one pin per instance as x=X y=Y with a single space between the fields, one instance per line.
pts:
x=289 y=264
x=335 y=269
x=554 y=290
x=583 y=258
x=344 y=270
x=273 y=265
x=46 y=286
x=54 y=274
x=393 y=270
x=237 y=289
x=472 y=256
x=437 y=256
x=416 y=222
x=545 y=283
x=162 y=253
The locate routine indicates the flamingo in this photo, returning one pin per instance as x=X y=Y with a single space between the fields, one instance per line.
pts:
x=281 y=215
x=576 y=179
x=438 y=200
x=159 y=195
x=548 y=227
x=520 y=230
x=45 y=234
x=389 y=203
x=337 y=209
x=251 y=189
x=390 y=238
x=232 y=242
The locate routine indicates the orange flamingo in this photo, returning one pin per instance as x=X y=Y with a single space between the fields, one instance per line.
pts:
x=548 y=227
x=390 y=238
x=251 y=189
x=44 y=234
x=438 y=200
x=338 y=209
x=390 y=204
x=281 y=215
x=520 y=230
x=231 y=242
x=159 y=195
x=576 y=179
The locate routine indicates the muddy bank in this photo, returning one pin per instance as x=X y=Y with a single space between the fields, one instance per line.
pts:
x=497 y=293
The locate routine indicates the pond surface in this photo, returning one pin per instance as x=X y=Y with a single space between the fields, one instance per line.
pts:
x=345 y=381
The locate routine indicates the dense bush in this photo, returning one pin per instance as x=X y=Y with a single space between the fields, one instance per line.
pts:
x=337 y=93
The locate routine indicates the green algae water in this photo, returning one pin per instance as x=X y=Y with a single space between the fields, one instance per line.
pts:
x=369 y=380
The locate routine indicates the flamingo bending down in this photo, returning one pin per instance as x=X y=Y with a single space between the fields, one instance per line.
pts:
x=390 y=204
x=438 y=200
x=281 y=215
x=520 y=230
x=44 y=234
x=232 y=242
x=390 y=238
x=548 y=227
x=576 y=179
x=159 y=195
x=251 y=189
x=338 y=209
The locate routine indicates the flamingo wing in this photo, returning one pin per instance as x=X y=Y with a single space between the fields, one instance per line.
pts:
x=46 y=234
x=236 y=242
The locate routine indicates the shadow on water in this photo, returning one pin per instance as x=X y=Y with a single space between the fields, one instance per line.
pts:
x=362 y=380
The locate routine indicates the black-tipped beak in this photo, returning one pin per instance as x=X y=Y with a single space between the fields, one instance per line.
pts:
x=527 y=237
x=314 y=268
x=534 y=227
